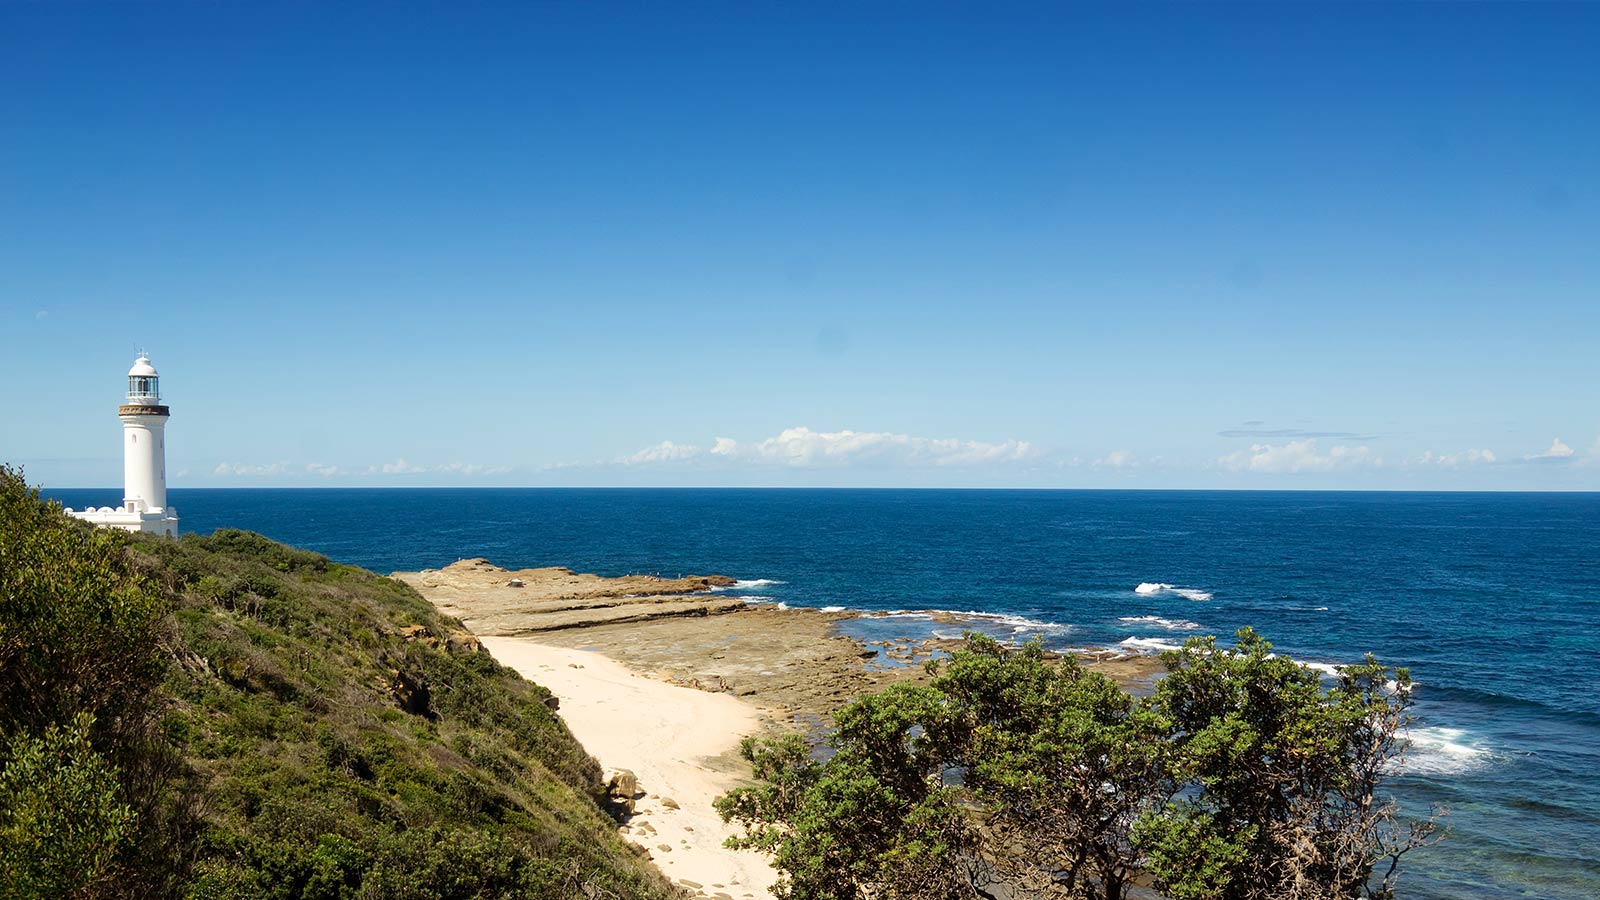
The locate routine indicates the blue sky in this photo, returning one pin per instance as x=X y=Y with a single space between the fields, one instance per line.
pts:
x=1261 y=246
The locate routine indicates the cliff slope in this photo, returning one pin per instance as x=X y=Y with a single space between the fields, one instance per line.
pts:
x=312 y=730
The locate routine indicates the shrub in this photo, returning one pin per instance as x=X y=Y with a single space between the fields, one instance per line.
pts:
x=62 y=818
x=1014 y=774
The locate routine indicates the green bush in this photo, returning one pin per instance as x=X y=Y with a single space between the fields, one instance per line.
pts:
x=62 y=819
x=222 y=716
x=1016 y=775
x=82 y=629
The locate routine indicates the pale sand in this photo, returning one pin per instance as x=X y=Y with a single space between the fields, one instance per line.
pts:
x=672 y=738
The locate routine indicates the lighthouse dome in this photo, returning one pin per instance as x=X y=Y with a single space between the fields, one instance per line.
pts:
x=141 y=366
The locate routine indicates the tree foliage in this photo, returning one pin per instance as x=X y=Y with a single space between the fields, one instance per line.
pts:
x=907 y=834
x=1283 y=776
x=62 y=819
x=80 y=628
x=1062 y=762
x=81 y=661
x=1019 y=775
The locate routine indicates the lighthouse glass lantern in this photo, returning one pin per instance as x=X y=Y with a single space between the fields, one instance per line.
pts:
x=144 y=390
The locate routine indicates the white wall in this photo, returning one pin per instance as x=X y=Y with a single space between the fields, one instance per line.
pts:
x=144 y=461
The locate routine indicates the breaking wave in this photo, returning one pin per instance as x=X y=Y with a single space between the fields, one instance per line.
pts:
x=1148 y=645
x=1017 y=624
x=746 y=584
x=1437 y=750
x=1161 y=587
x=1169 y=624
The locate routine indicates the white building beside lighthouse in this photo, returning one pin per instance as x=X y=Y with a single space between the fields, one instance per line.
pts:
x=144 y=459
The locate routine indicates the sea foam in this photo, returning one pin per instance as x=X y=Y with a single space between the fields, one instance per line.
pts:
x=1017 y=624
x=1161 y=587
x=1334 y=670
x=1169 y=624
x=746 y=584
x=1437 y=750
x=1148 y=644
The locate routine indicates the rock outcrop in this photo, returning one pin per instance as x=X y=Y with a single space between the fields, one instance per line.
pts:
x=496 y=601
x=622 y=789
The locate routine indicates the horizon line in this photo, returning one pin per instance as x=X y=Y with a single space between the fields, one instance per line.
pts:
x=614 y=487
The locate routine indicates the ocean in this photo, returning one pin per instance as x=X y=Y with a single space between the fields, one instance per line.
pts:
x=1492 y=600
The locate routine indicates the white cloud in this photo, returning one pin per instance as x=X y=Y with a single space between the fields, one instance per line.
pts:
x=570 y=464
x=803 y=448
x=1298 y=456
x=1117 y=459
x=225 y=469
x=41 y=315
x=1471 y=457
x=666 y=451
x=1558 y=450
x=402 y=467
x=399 y=467
x=331 y=470
x=470 y=469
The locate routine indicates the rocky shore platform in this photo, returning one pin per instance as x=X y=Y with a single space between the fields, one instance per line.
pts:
x=792 y=663
x=660 y=679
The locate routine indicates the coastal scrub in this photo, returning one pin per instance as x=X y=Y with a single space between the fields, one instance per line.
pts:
x=223 y=716
x=1015 y=774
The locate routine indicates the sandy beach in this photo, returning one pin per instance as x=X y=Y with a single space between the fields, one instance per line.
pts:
x=664 y=677
x=681 y=744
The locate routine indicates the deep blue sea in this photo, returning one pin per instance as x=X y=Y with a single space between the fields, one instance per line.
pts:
x=1493 y=600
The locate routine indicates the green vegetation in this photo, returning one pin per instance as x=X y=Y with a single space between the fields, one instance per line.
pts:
x=1283 y=776
x=88 y=778
x=1242 y=777
x=227 y=717
x=63 y=820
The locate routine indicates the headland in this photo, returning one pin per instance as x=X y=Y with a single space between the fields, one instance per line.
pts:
x=662 y=677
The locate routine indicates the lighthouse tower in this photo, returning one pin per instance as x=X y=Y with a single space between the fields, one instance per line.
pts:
x=144 y=459
x=144 y=442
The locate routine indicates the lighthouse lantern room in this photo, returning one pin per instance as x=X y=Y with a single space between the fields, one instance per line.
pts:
x=144 y=459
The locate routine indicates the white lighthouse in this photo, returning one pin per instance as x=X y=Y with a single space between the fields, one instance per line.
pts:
x=144 y=459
